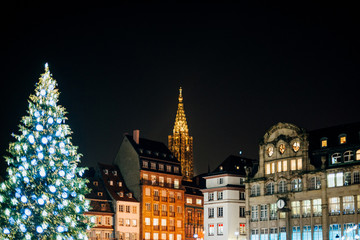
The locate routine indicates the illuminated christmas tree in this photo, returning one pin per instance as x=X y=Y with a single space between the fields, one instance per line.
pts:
x=43 y=196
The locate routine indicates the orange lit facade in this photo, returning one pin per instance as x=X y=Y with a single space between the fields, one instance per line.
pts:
x=153 y=174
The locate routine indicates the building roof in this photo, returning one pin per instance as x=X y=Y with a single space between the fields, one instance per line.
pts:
x=193 y=187
x=114 y=183
x=152 y=149
x=100 y=200
x=233 y=165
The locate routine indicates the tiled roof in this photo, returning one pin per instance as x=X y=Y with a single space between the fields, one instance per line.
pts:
x=152 y=149
x=233 y=165
x=114 y=183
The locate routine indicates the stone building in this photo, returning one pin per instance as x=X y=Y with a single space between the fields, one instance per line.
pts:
x=153 y=174
x=307 y=185
x=224 y=200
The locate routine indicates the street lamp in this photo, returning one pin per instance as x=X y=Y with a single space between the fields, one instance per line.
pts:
x=195 y=236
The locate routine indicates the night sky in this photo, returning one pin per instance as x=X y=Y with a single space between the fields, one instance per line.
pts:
x=242 y=67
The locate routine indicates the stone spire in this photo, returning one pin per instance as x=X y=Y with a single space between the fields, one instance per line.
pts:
x=180 y=143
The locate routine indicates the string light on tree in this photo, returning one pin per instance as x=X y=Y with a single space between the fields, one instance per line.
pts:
x=42 y=197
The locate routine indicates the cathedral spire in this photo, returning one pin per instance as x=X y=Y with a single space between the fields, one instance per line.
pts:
x=180 y=143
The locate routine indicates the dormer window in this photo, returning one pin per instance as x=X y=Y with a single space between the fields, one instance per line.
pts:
x=161 y=167
x=168 y=168
x=115 y=173
x=221 y=168
x=176 y=169
x=121 y=194
x=129 y=195
x=103 y=206
x=145 y=164
x=96 y=183
x=120 y=184
x=342 y=138
x=153 y=165
x=324 y=142
x=164 y=155
x=106 y=171
x=100 y=194
x=111 y=183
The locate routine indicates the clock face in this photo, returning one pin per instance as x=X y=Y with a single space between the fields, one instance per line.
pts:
x=270 y=151
x=296 y=146
x=282 y=148
x=280 y=203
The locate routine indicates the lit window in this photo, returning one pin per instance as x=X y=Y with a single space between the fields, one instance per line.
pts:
x=336 y=158
x=147 y=191
x=111 y=183
x=348 y=156
x=293 y=165
x=268 y=168
x=153 y=165
x=189 y=200
x=316 y=204
x=147 y=221
x=315 y=183
x=198 y=201
x=284 y=165
x=295 y=209
x=106 y=171
x=324 y=143
x=282 y=186
x=348 y=205
x=220 y=230
x=242 y=228
x=211 y=230
x=272 y=167
x=145 y=164
x=334 y=206
x=306 y=208
x=270 y=188
x=176 y=169
x=115 y=173
x=176 y=183
x=335 y=179
x=299 y=164
x=342 y=139
x=168 y=168
x=279 y=166
x=296 y=233
x=358 y=154
x=296 y=185
x=161 y=167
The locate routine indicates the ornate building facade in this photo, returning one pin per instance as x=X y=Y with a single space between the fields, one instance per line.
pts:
x=180 y=143
x=307 y=185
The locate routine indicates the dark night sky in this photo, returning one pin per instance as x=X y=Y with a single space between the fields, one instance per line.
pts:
x=243 y=67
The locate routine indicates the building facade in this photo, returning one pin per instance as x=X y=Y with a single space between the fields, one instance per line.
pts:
x=126 y=219
x=153 y=174
x=224 y=200
x=181 y=143
x=307 y=184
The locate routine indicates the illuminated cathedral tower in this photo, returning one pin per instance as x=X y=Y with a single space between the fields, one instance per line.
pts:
x=180 y=143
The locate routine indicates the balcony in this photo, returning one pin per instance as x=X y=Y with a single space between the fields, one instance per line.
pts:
x=306 y=215
x=164 y=213
x=156 y=198
x=156 y=213
x=317 y=214
x=171 y=199
x=164 y=199
x=163 y=228
x=348 y=212
x=172 y=228
x=334 y=213
x=156 y=227
x=171 y=214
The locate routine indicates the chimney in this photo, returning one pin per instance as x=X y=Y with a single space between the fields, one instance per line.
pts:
x=136 y=136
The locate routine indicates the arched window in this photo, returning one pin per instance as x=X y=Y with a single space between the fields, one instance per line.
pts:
x=348 y=156
x=255 y=190
x=296 y=185
x=336 y=158
x=270 y=188
x=314 y=183
x=282 y=186
x=358 y=154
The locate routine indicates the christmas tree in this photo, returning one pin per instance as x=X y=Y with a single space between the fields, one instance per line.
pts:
x=43 y=196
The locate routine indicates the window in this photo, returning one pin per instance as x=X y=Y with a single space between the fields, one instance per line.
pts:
x=156 y=222
x=161 y=167
x=316 y=207
x=176 y=183
x=296 y=233
x=178 y=236
x=120 y=184
x=178 y=196
x=189 y=200
x=198 y=202
x=315 y=183
x=306 y=233
x=334 y=206
x=168 y=168
x=254 y=213
x=155 y=236
x=306 y=208
x=282 y=186
x=211 y=197
x=336 y=158
x=241 y=211
x=220 y=229
x=270 y=188
x=242 y=228
x=161 y=181
x=211 y=230
x=272 y=167
x=296 y=185
x=147 y=221
x=273 y=211
x=348 y=156
x=220 y=195
x=295 y=209
x=220 y=181
x=242 y=195
x=220 y=212
x=106 y=171
x=279 y=168
x=282 y=233
x=263 y=212
x=211 y=212
x=358 y=154
x=134 y=209
x=147 y=191
x=100 y=194
x=127 y=209
x=293 y=164
x=268 y=171
x=348 y=205
x=318 y=232
x=242 y=181
x=145 y=164
x=148 y=206
x=335 y=179
x=127 y=222
x=254 y=234
x=96 y=183
x=284 y=165
x=299 y=164
x=350 y=231
x=163 y=222
x=176 y=169
x=264 y=234
x=273 y=233
x=347 y=178
x=178 y=224
x=255 y=190
x=335 y=230
x=324 y=142
x=121 y=208
x=342 y=138
x=356 y=177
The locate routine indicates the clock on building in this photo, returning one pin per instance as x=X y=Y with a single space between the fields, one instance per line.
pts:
x=281 y=203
